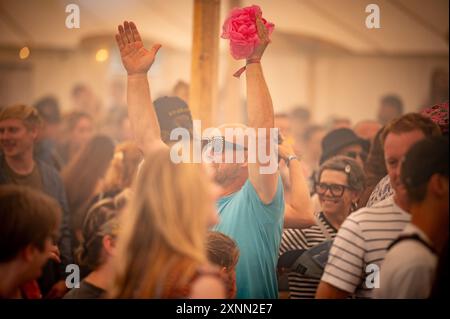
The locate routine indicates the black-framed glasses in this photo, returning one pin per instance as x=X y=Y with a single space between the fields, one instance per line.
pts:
x=336 y=190
x=218 y=144
x=355 y=155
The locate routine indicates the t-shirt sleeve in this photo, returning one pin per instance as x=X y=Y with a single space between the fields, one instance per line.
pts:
x=344 y=268
x=293 y=239
x=268 y=213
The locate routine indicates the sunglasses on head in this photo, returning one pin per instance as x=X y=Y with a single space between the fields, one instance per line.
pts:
x=355 y=155
x=218 y=144
x=336 y=190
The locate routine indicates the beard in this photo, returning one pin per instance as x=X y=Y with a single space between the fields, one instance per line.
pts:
x=226 y=174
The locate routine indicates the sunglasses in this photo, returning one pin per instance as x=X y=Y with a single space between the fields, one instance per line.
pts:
x=218 y=144
x=355 y=155
x=336 y=190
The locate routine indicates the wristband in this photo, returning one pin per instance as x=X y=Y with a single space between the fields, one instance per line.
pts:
x=290 y=158
x=238 y=73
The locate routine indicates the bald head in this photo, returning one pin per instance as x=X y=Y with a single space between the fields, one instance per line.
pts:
x=367 y=129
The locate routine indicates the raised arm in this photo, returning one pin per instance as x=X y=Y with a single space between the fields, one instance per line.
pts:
x=260 y=115
x=299 y=213
x=137 y=61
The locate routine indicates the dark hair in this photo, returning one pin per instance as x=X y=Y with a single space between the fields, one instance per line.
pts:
x=410 y=122
x=425 y=158
x=375 y=168
x=26 y=217
x=355 y=175
x=82 y=173
x=48 y=108
x=221 y=249
x=101 y=220
x=393 y=101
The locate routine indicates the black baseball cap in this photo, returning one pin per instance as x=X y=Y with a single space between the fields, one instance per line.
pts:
x=172 y=112
x=339 y=138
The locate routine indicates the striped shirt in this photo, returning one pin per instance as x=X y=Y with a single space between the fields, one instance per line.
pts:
x=363 y=240
x=301 y=287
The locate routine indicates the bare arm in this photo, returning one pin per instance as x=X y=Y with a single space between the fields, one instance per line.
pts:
x=327 y=291
x=299 y=213
x=137 y=61
x=260 y=115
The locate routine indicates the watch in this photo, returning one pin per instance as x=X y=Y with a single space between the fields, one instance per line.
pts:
x=289 y=159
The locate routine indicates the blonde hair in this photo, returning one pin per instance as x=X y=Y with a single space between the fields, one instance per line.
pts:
x=123 y=167
x=28 y=114
x=162 y=240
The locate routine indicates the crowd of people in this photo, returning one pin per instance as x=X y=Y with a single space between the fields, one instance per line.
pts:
x=353 y=211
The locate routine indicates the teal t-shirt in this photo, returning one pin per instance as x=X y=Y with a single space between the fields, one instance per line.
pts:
x=257 y=229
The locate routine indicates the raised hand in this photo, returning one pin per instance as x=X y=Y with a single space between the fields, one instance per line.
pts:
x=135 y=58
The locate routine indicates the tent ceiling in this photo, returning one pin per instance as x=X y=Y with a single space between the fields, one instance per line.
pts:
x=408 y=27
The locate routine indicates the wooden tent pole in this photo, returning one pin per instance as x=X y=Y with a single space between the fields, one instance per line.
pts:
x=205 y=58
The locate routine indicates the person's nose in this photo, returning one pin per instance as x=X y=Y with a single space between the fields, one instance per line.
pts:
x=397 y=170
x=328 y=192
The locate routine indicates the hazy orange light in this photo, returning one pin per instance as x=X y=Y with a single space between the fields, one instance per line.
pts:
x=24 y=53
x=101 y=55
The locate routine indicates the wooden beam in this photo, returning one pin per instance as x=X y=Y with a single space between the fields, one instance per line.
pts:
x=231 y=102
x=205 y=57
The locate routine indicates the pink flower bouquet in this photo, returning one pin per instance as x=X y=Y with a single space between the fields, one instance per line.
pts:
x=240 y=28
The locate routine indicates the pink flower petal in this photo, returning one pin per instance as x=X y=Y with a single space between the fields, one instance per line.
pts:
x=240 y=29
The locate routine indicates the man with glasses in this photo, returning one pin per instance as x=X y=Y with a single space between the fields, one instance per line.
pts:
x=252 y=203
x=363 y=239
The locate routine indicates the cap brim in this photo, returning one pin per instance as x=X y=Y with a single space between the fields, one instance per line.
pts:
x=332 y=152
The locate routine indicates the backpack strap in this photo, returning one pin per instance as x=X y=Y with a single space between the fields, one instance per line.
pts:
x=324 y=230
x=415 y=237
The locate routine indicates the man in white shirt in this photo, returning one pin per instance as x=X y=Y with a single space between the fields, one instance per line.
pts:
x=409 y=267
x=362 y=241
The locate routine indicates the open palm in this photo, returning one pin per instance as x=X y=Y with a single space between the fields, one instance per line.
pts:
x=135 y=58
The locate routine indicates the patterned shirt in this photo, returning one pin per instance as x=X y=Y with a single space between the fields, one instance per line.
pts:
x=382 y=191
